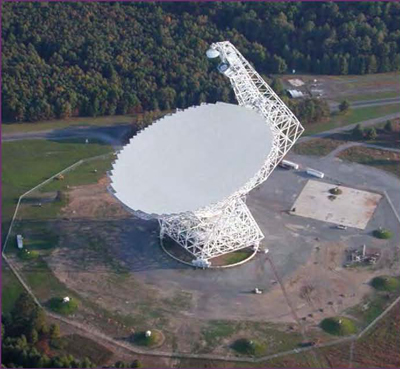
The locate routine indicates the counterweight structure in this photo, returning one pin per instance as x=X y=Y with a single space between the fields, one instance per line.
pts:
x=228 y=225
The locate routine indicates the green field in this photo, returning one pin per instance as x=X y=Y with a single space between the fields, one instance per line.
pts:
x=64 y=123
x=351 y=117
x=372 y=96
x=28 y=163
x=11 y=289
x=43 y=282
x=54 y=195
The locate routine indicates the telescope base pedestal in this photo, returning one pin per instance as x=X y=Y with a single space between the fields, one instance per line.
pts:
x=214 y=232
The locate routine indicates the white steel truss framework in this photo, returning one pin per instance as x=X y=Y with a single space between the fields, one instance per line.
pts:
x=228 y=225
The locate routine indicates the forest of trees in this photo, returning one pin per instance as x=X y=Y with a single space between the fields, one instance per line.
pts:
x=90 y=59
x=27 y=341
x=25 y=333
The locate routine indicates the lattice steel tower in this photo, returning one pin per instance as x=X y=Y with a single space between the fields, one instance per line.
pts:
x=228 y=225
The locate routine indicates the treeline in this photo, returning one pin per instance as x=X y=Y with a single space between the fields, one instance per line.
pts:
x=90 y=59
x=27 y=341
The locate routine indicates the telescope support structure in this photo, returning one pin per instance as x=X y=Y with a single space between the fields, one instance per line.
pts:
x=228 y=225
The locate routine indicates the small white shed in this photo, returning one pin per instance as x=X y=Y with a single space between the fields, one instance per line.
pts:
x=20 y=241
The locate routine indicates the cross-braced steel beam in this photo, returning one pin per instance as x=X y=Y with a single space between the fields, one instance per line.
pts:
x=228 y=225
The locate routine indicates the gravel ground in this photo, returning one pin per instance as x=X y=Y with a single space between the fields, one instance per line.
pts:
x=290 y=239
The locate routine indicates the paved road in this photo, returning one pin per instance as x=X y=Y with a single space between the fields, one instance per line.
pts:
x=114 y=135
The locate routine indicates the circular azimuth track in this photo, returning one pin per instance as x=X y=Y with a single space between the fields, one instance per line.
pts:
x=216 y=221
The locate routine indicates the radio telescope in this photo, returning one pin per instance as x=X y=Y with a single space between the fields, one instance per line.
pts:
x=193 y=169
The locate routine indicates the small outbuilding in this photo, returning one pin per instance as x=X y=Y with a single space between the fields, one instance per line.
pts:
x=295 y=94
x=20 y=241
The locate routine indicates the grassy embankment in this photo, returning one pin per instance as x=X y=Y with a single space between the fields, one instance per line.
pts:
x=380 y=159
x=353 y=116
x=26 y=164
x=317 y=146
x=372 y=96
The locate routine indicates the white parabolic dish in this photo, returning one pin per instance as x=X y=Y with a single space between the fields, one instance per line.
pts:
x=191 y=159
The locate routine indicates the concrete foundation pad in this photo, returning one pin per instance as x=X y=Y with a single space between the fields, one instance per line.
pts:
x=352 y=208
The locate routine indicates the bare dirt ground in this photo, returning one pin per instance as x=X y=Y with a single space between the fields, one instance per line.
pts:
x=91 y=201
x=322 y=287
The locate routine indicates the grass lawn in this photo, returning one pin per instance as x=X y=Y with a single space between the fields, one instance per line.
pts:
x=63 y=123
x=380 y=159
x=27 y=163
x=384 y=138
x=29 y=212
x=43 y=282
x=38 y=235
x=86 y=173
x=339 y=326
x=317 y=146
x=56 y=191
x=369 y=309
x=387 y=288
x=351 y=117
x=232 y=257
x=386 y=283
x=11 y=289
x=300 y=360
x=270 y=338
x=155 y=339
x=379 y=347
x=65 y=308
x=248 y=347
x=371 y=96
x=237 y=256
x=382 y=233
x=27 y=255
x=217 y=330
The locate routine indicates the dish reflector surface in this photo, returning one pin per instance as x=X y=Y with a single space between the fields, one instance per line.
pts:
x=191 y=159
